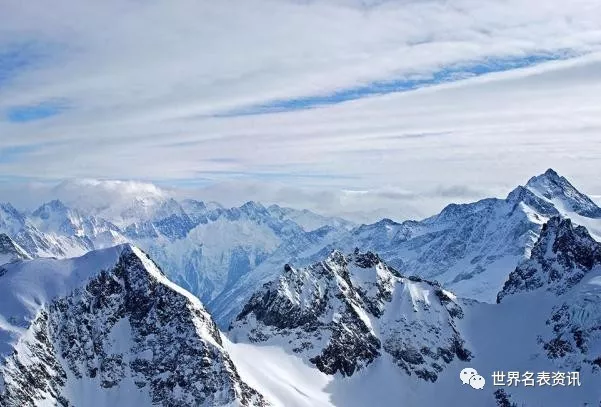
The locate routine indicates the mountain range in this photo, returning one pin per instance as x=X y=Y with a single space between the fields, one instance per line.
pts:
x=107 y=306
x=470 y=248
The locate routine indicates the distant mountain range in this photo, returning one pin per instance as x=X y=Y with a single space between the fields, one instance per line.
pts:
x=203 y=247
x=98 y=310
x=223 y=255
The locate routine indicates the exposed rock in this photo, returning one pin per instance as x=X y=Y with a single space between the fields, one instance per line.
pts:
x=127 y=323
x=561 y=257
x=338 y=315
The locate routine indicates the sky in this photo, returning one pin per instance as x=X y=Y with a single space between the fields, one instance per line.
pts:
x=356 y=108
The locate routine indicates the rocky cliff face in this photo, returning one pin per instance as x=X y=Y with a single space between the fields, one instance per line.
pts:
x=10 y=251
x=565 y=264
x=123 y=334
x=346 y=311
x=562 y=256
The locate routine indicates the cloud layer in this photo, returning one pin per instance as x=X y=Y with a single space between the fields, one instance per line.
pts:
x=146 y=90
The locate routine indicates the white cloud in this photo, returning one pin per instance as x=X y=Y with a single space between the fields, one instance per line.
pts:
x=165 y=59
x=142 y=79
x=110 y=199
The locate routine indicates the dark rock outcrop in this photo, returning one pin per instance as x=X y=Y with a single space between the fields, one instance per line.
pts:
x=338 y=315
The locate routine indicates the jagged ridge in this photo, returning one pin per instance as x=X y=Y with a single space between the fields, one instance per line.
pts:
x=343 y=313
x=561 y=257
x=126 y=329
x=10 y=251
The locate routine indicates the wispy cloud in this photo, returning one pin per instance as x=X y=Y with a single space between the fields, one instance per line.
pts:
x=447 y=74
x=363 y=96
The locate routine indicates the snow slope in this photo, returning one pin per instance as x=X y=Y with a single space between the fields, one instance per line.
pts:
x=549 y=327
x=502 y=337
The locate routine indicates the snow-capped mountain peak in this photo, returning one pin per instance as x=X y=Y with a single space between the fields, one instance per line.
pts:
x=108 y=328
x=107 y=198
x=196 y=210
x=562 y=256
x=343 y=313
x=11 y=220
x=471 y=248
x=54 y=205
x=55 y=216
x=308 y=220
x=252 y=206
x=562 y=193
x=562 y=278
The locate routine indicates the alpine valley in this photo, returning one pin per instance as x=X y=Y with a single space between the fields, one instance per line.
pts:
x=142 y=299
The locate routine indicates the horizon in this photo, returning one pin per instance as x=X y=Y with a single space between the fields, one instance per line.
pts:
x=70 y=193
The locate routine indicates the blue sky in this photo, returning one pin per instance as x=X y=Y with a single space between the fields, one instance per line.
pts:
x=445 y=75
x=19 y=58
x=43 y=110
x=16 y=58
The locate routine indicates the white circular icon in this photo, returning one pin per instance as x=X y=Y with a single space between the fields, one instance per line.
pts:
x=477 y=382
x=466 y=374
